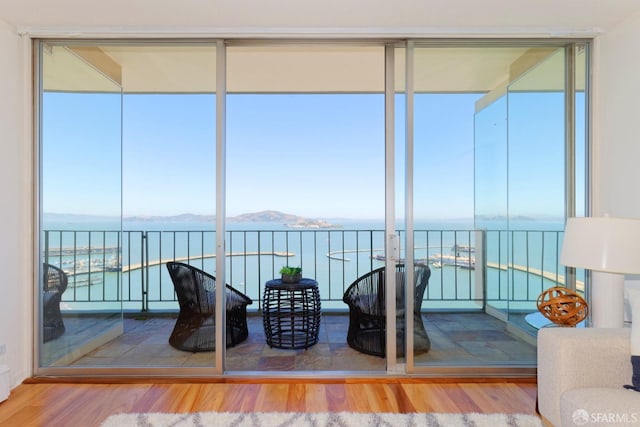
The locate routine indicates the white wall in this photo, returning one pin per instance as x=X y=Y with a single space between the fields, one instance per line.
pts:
x=616 y=138
x=617 y=121
x=15 y=214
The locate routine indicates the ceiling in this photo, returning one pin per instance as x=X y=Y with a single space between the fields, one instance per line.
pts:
x=295 y=68
x=313 y=17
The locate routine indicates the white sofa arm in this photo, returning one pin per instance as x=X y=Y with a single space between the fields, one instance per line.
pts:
x=570 y=358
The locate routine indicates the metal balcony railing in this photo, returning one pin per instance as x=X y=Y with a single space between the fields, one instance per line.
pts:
x=470 y=269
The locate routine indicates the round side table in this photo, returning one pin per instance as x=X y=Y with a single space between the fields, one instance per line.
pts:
x=291 y=313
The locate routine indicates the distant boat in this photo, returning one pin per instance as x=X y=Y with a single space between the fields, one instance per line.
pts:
x=463 y=248
x=467 y=262
x=312 y=224
x=381 y=257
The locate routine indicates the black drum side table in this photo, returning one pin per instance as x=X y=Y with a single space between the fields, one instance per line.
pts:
x=291 y=313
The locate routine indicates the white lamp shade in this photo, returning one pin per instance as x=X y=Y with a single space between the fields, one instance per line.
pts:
x=602 y=244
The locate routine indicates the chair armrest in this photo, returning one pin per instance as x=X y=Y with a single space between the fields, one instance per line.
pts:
x=235 y=298
x=571 y=358
x=50 y=297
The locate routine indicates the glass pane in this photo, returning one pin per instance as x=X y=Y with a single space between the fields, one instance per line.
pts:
x=491 y=207
x=536 y=164
x=165 y=142
x=443 y=197
x=305 y=187
x=169 y=202
x=488 y=196
x=81 y=203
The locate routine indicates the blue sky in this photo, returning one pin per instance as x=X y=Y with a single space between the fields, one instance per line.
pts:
x=314 y=155
x=81 y=153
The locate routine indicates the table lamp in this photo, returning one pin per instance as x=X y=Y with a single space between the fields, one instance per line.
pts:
x=610 y=248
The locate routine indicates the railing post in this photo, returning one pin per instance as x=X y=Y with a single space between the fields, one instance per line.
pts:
x=144 y=276
x=481 y=267
x=46 y=247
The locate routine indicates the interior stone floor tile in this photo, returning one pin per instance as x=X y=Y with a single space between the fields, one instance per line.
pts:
x=244 y=363
x=277 y=363
x=313 y=363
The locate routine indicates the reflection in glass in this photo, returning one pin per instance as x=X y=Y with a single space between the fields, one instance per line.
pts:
x=536 y=168
x=80 y=193
x=491 y=207
x=489 y=166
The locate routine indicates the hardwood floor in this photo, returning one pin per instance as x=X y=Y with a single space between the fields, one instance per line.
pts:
x=87 y=404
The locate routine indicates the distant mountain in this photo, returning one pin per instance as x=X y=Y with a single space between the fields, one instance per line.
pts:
x=265 y=216
x=288 y=220
x=186 y=217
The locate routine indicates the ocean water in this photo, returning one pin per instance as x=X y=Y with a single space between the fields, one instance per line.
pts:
x=334 y=257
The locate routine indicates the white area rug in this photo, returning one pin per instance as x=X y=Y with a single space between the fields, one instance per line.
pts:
x=336 y=419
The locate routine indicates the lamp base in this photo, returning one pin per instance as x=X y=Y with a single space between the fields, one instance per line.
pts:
x=607 y=300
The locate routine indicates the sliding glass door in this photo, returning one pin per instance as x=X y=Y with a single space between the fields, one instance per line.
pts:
x=488 y=194
x=80 y=285
x=128 y=184
x=169 y=201
x=305 y=188
x=438 y=173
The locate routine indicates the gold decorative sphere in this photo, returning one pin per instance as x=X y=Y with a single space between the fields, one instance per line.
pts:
x=562 y=306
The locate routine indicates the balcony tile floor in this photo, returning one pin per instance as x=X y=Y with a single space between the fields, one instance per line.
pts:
x=456 y=339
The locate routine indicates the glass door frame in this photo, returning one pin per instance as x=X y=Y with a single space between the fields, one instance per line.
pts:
x=392 y=243
x=221 y=162
x=38 y=47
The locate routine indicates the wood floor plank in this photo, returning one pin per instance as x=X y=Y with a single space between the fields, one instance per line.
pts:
x=336 y=397
x=272 y=397
x=405 y=405
x=490 y=397
x=86 y=404
x=432 y=398
x=316 y=398
x=216 y=397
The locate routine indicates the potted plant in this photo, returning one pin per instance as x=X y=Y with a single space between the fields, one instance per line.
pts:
x=291 y=274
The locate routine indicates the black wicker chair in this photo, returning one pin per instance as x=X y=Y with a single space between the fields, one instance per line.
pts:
x=367 y=314
x=54 y=284
x=195 y=327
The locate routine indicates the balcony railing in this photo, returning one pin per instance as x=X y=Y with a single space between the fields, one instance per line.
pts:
x=470 y=269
